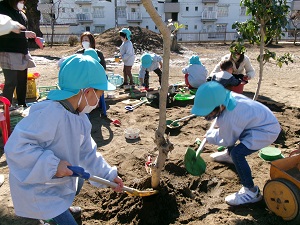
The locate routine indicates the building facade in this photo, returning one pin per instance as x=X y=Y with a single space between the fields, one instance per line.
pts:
x=213 y=18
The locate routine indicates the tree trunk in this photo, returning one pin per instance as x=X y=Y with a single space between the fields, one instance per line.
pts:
x=295 y=35
x=174 y=43
x=261 y=62
x=164 y=146
x=52 y=32
x=33 y=16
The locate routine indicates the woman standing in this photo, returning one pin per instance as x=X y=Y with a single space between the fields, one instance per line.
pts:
x=88 y=41
x=15 y=58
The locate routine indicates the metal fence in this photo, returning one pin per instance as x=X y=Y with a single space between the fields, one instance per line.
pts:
x=181 y=37
x=59 y=38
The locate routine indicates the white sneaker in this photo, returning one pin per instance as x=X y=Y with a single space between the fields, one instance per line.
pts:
x=222 y=157
x=244 y=196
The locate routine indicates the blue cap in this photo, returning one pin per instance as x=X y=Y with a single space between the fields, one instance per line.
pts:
x=93 y=53
x=79 y=72
x=195 y=60
x=146 y=60
x=208 y=96
x=127 y=32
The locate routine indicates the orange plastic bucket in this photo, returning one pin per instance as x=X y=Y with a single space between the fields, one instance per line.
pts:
x=238 y=89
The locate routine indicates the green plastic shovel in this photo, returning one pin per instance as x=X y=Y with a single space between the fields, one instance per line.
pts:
x=194 y=164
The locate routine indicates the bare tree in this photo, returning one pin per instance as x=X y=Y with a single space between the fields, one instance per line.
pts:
x=163 y=145
x=53 y=12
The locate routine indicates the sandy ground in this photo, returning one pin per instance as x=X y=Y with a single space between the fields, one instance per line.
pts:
x=182 y=198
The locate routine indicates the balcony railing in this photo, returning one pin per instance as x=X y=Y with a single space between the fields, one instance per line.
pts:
x=209 y=15
x=98 y=14
x=210 y=1
x=134 y=17
x=83 y=2
x=133 y=1
x=84 y=17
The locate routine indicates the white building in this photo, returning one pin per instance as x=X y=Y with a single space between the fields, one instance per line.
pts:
x=211 y=18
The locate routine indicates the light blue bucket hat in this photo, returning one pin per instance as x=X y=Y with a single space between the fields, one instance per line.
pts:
x=210 y=95
x=195 y=60
x=146 y=60
x=127 y=32
x=79 y=72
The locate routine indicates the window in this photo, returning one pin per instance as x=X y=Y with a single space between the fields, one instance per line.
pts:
x=87 y=28
x=147 y=27
x=98 y=12
x=222 y=11
x=196 y=8
x=156 y=8
x=99 y=29
x=155 y=27
x=243 y=11
x=72 y=10
x=209 y=28
x=46 y=19
x=121 y=12
x=221 y=27
x=85 y=10
x=187 y=9
x=186 y=27
x=209 y=9
x=63 y=10
x=195 y=27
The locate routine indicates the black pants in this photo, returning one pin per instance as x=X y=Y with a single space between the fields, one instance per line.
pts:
x=146 y=79
x=15 y=79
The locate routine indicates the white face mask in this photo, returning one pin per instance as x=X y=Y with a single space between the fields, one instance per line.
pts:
x=20 y=6
x=88 y=108
x=85 y=44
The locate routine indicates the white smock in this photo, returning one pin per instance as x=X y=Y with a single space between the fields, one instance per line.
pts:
x=127 y=53
x=155 y=65
x=197 y=74
x=250 y=122
x=50 y=133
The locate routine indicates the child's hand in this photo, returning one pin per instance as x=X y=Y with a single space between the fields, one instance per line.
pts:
x=62 y=169
x=119 y=181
